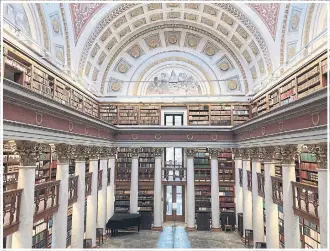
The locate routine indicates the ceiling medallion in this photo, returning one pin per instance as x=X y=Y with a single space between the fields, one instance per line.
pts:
x=232 y=84
x=153 y=43
x=56 y=25
x=115 y=86
x=172 y=39
x=210 y=51
x=192 y=42
x=122 y=68
x=135 y=52
x=224 y=66
x=294 y=21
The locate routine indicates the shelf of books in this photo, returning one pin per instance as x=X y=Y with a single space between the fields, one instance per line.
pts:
x=62 y=93
x=128 y=115
x=274 y=99
x=90 y=107
x=146 y=198
x=122 y=198
x=43 y=82
x=309 y=234
x=202 y=197
x=69 y=227
x=220 y=115
x=45 y=170
x=149 y=115
x=241 y=113
x=108 y=113
x=281 y=226
x=198 y=115
x=288 y=91
x=42 y=233
x=77 y=100
x=11 y=163
x=308 y=169
x=202 y=159
x=259 y=106
x=309 y=80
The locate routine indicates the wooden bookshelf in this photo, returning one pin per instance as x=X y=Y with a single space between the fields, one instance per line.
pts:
x=45 y=170
x=62 y=93
x=202 y=198
x=149 y=115
x=90 y=107
x=122 y=199
x=288 y=91
x=309 y=234
x=69 y=227
x=308 y=169
x=146 y=199
x=77 y=100
x=281 y=226
x=128 y=115
x=43 y=82
x=42 y=233
x=309 y=80
x=274 y=99
x=220 y=114
x=198 y=115
x=109 y=114
x=147 y=158
x=202 y=159
x=240 y=114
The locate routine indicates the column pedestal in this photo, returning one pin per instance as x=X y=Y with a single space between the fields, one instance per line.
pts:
x=238 y=190
x=215 y=194
x=247 y=199
x=102 y=197
x=23 y=237
x=60 y=218
x=134 y=193
x=191 y=194
x=78 y=208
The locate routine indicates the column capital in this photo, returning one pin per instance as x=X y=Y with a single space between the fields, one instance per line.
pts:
x=103 y=152
x=320 y=151
x=111 y=151
x=135 y=151
x=214 y=152
x=288 y=153
x=268 y=153
x=158 y=152
x=30 y=151
x=63 y=152
x=94 y=152
x=80 y=152
x=256 y=153
x=238 y=152
x=190 y=152
x=246 y=153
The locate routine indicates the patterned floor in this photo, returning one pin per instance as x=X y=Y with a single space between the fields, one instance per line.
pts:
x=173 y=237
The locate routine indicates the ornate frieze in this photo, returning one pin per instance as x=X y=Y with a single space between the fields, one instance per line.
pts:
x=320 y=151
x=288 y=153
x=190 y=152
x=30 y=152
x=214 y=153
x=158 y=152
x=135 y=152
x=268 y=153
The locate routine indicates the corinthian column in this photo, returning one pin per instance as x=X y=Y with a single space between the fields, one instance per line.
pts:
x=291 y=221
x=134 y=193
x=247 y=195
x=60 y=218
x=158 y=152
x=238 y=189
x=215 y=190
x=29 y=153
x=112 y=151
x=190 y=154
x=102 y=193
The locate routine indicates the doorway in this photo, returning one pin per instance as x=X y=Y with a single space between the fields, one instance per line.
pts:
x=173 y=119
x=174 y=203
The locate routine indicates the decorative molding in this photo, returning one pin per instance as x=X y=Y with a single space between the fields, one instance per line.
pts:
x=316 y=118
x=64 y=152
x=288 y=153
x=268 y=153
x=38 y=118
x=30 y=152
x=307 y=26
x=158 y=152
x=67 y=39
x=94 y=152
x=320 y=152
x=111 y=151
x=246 y=153
x=256 y=153
x=214 y=152
x=158 y=136
x=43 y=25
x=190 y=137
x=135 y=136
x=190 y=152
x=238 y=153
x=284 y=24
x=135 y=151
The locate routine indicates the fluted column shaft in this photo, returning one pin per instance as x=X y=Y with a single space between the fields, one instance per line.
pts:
x=102 y=196
x=238 y=188
x=111 y=188
x=158 y=191
x=247 y=198
x=215 y=193
x=190 y=189
x=134 y=193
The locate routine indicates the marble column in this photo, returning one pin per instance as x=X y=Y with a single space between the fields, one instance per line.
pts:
x=102 y=193
x=271 y=210
x=134 y=193
x=238 y=188
x=92 y=199
x=112 y=151
x=291 y=221
x=190 y=154
x=257 y=203
x=215 y=190
x=158 y=152
x=320 y=152
x=60 y=218
x=78 y=208
x=28 y=152
x=247 y=195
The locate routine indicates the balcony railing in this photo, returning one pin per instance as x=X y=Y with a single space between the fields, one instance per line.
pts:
x=306 y=201
x=99 y=180
x=249 y=180
x=240 y=173
x=108 y=176
x=277 y=190
x=261 y=184
x=174 y=173
x=202 y=174
x=123 y=174
x=10 y=180
x=227 y=174
x=46 y=197
x=146 y=174
x=73 y=189
x=11 y=208
x=88 y=184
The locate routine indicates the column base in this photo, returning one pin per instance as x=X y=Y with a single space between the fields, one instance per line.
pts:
x=157 y=229
x=191 y=229
x=215 y=229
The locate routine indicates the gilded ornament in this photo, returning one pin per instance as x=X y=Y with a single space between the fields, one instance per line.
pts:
x=232 y=84
x=210 y=51
x=294 y=21
x=59 y=54
x=123 y=68
x=135 y=52
x=172 y=5
x=56 y=25
x=173 y=15
x=291 y=52
x=192 y=6
x=115 y=86
x=154 y=6
x=192 y=42
x=153 y=43
x=189 y=16
x=224 y=66
x=172 y=39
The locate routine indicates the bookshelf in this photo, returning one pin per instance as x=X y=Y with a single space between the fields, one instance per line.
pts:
x=122 y=199
x=281 y=226
x=288 y=91
x=42 y=233
x=309 y=80
x=274 y=99
x=90 y=107
x=108 y=113
x=198 y=115
x=202 y=159
x=146 y=158
x=62 y=93
x=45 y=169
x=149 y=115
x=220 y=114
x=69 y=227
x=146 y=199
x=77 y=100
x=43 y=82
x=241 y=113
x=128 y=115
x=309 y=234
x=202 y=198
x=308 y=169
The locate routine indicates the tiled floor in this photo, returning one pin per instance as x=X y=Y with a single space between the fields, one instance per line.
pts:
x=174 y=237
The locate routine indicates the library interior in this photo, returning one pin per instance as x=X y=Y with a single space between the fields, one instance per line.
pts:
x=165 y=125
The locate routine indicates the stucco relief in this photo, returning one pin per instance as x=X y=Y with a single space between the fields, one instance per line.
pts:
x=16 y=15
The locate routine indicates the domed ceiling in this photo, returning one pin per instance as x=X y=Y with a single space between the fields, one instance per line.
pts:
x=174 y=49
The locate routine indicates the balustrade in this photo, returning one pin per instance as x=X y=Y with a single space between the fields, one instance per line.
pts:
x=227 y=174
x=11 y=208
x=249 y=179
x=174 y=173
x=306 y=201
x=202 y=174
x=277 y=190
x=10 y=181
x=99 y=180
x=73 y=189
x=146 y=174
x=261 y=184
x=240 y=173
x=88 y=184
x=46 y=198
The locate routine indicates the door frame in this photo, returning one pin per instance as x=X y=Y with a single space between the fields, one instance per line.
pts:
x=178 y=218
x=173 y=115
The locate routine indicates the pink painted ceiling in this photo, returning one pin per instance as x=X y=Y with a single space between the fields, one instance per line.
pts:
x=268 y=12
x=81 y=13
